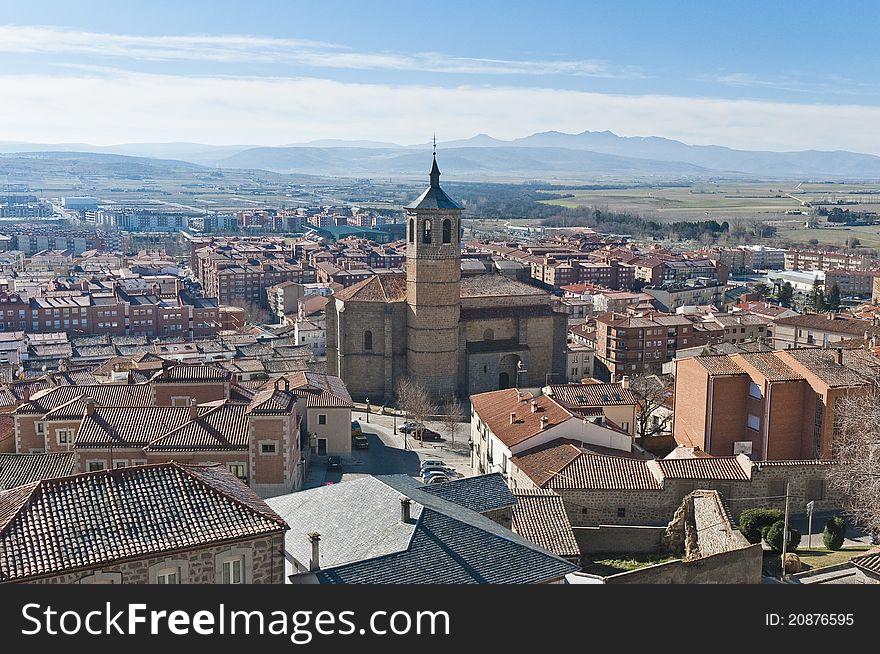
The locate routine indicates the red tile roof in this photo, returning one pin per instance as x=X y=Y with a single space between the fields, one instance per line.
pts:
x=722 y=468
x=219 y=428
x=378 y=288
x=494 y=409
x=602 y=472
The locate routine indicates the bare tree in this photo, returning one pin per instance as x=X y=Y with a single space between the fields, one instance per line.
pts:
x=651 y=393
x=415 y=401
x=453 y=417
x=856 y=447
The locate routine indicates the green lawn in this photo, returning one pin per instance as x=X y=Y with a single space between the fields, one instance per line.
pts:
x=819 y=557
x=606 y=564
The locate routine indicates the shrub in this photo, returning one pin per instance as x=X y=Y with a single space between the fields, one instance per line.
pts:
x=834 y=533
x=773 y=536
x=753 y=521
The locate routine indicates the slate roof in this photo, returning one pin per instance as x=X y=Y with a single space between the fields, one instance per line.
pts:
x=363 y=539
x=591 y=395
x=20 y=469
x=539 y=516
x=481 y=494
x=59 y=525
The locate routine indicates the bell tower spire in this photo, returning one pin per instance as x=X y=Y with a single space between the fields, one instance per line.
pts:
x=435 y=169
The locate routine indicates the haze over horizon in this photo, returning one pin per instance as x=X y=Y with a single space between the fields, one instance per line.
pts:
x=273 y=74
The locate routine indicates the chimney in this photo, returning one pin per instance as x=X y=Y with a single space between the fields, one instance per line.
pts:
x=512 y=417
x=624 y=381
x=26 y=393
x=90 y=406
x=315 y=561
x=534 y=404
x=840 y=356
x=193 y=409
x=404 y=509
x=831 y=315
x=544 y=421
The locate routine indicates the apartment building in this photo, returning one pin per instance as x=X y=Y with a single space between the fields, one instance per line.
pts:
x=818 y=330
x=823 y=260
x=633 y=345
x=851 y=282
x=768 y=405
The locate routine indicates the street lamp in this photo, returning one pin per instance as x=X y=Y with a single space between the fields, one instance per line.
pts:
x=368 y=410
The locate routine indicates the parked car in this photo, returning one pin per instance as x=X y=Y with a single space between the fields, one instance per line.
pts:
x=446 y=470
x=360 y=442
x=334 y=463
x=432 y=462
x=426 y=434
x=437 y=479
x=408 y=427
x=356 y=428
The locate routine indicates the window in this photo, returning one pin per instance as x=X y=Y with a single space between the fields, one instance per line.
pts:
x=180 y=401
x=232 y=571
x=368 y=340
x=624 y=426
x=621 y=512
x=269 y=447
x=815 y=489
x=120 y=463
x=412 y=231
x=41 y=427
x=322 y=419
x=238 y=469
x=447 y=231
x=754 y=390
x=754 y=422
x=95 y=465
x=64 y=436
x=168 y=576
x=426 y=233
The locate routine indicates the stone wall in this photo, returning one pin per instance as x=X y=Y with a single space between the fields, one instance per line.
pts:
x=619 y=538
x=742 y=566
x=264 y=564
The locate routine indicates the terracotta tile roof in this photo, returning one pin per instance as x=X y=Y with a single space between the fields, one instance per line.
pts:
x=719 y=364
x=540 y=516
x=869 y=561
x=837 y=324
x=222 y=427
x=602 y=472
x=494 y=409
x=858 y=367
x=7 y=428
x=542 y=462
x=20 y=469
x=72 y=399
x=321 y=390
x=93 y=519
x=114 y=426
x=378 y=288
x=272 y=401
x=723 y=468
x=769 y=365
x=194 y=373
x=592 y=395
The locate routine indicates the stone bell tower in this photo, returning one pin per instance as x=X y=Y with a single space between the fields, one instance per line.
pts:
x=433 y=296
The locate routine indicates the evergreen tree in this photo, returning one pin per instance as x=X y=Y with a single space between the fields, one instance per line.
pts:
x=785 y=295
x=833 y=301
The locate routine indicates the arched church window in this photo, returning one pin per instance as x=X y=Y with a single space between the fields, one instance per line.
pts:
x=447 y=231
x=426 y=234
x=412 y=231
x=488 y=335
x=368 y=340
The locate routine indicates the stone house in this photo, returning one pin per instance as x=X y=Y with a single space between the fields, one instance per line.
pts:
x=126 y=526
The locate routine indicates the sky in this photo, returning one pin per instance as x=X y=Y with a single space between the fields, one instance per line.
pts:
x=749 y=74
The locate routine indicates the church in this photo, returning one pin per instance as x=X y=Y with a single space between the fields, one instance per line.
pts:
x=453 y=335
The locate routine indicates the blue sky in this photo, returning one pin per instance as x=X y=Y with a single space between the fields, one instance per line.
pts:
x=763 y=75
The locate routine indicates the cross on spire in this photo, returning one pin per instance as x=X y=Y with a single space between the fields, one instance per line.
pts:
x=435 y=144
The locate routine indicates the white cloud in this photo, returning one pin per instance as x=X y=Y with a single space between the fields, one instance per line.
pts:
x=132 y=107
x=267 y=50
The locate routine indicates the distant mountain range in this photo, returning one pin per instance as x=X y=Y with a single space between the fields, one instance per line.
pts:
x=545 y=155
